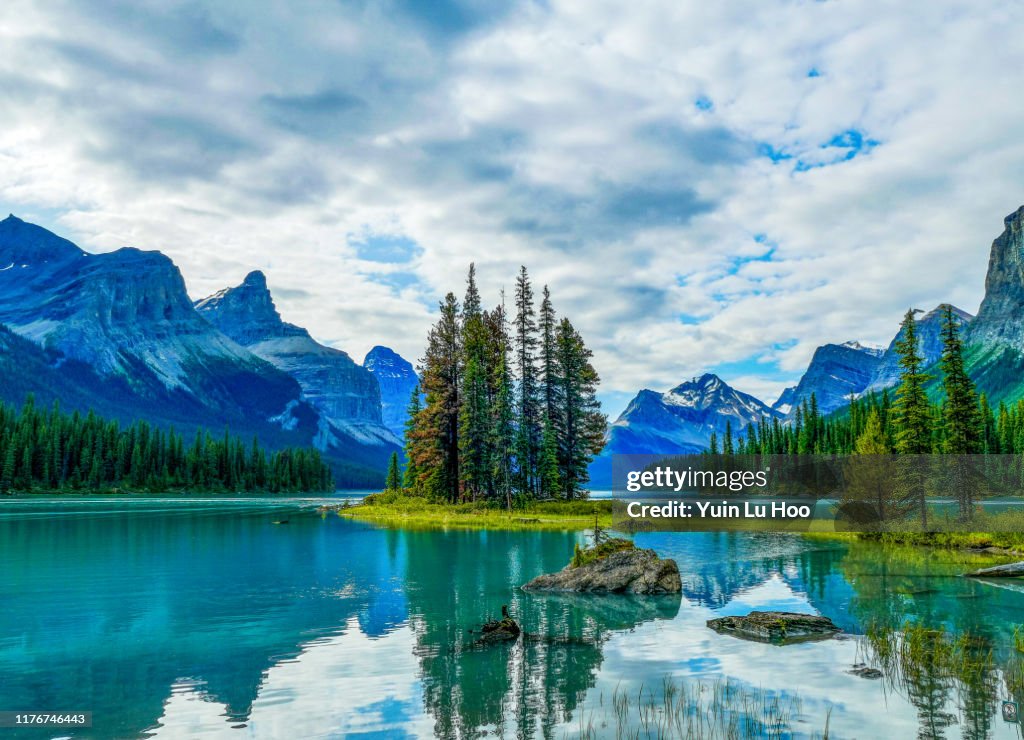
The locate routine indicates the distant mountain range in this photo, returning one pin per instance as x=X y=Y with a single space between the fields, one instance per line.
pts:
x=683 y=419
x=118 y=333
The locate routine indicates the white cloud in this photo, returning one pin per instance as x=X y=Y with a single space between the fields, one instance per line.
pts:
x=565 y=137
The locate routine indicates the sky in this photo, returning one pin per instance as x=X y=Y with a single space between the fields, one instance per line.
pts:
x=704 y=186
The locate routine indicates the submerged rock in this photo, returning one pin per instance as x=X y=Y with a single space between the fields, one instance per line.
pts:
x=777 y=627
x=863 y=671
x=624 y=571
x=499 y=630
x=1010 y=570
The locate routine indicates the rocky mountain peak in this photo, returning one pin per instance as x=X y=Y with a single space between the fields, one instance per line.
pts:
x=247 y=313
x=257 y=280
x=1000 y=319
x=22 y=243
x=396 y=377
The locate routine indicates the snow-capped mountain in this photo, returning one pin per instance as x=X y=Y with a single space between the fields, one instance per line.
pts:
x=126 y=315
x=346 y=395
x=785 y=400
x=118 y=332
x=678 y=421
x=836 y=372
x=397 y=379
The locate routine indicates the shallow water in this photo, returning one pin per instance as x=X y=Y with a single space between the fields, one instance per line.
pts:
x=177 y=617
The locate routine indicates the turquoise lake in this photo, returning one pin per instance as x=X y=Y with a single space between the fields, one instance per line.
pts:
x=205 y=618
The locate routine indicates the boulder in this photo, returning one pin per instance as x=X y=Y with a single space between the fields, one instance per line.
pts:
x=1010 y=570
x=865 y=671
x=502 y=630
x=499 y=630
x=776 y=627
x=631 y=571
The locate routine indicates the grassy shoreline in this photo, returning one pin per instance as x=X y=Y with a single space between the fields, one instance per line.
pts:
x=392 y=509
x=402 y=510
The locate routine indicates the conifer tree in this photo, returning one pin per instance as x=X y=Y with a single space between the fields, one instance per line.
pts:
x=581 y=435
x=436 y=442
x=393 y=481
x=912 y=423
x=548 y=361
x=474 y=412
x=502 y=428
x=961 y=417
x=411 y=474
x=529 y=430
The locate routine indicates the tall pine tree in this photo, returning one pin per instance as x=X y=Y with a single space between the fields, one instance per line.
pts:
x=912 y=417
x=528 y=438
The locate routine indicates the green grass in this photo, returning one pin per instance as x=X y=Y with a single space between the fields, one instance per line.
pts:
x=585 y=556
x=1003 y=530
x=408 y=511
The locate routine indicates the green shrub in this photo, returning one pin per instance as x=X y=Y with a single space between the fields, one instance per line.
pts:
x=599 y=552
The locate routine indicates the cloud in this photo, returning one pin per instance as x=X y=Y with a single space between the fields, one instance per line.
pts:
x=703 y=186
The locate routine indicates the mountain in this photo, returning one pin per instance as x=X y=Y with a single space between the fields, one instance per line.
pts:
x=785 y=400
x=396 y=378
x=346 y=394
x=118 y=332
x=678 y=421
x=929 y=330
x=836 y=371
x=995 y=340
x=127 y=316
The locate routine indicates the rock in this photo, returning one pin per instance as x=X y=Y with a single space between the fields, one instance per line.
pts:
x=862 y=671
x=627 y=571
x=1010 y=570
x=499 y=630
x=777 y=627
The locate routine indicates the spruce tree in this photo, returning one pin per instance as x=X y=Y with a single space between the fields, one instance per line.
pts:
x=961 y=417
x=870 y=474
x=912 y=416
x=436 y=438
x=410 y=477
x=581 y=436
x=474 y=412
x=528 y=420
x=393 y=481
x=502 y=427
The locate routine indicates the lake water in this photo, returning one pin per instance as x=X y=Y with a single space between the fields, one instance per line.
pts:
x=179 y=617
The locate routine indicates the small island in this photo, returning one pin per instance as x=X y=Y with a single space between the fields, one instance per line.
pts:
x=613 y=566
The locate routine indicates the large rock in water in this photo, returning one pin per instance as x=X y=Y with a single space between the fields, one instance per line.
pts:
x=628 y=571
x=776 y=627
x=1010 y=570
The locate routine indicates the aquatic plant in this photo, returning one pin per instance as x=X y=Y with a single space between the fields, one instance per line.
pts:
x=700 y=710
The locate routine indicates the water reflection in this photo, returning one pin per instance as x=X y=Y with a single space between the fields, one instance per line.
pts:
x=218 y=622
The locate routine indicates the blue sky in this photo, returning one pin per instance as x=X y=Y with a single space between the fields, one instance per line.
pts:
x=704 y=186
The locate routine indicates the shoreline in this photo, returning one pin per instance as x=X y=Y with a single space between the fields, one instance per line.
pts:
x=415 y=512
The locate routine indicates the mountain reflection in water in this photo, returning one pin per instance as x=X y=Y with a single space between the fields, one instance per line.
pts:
x=173 y=621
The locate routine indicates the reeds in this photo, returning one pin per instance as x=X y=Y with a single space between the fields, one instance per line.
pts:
x=701 y=710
